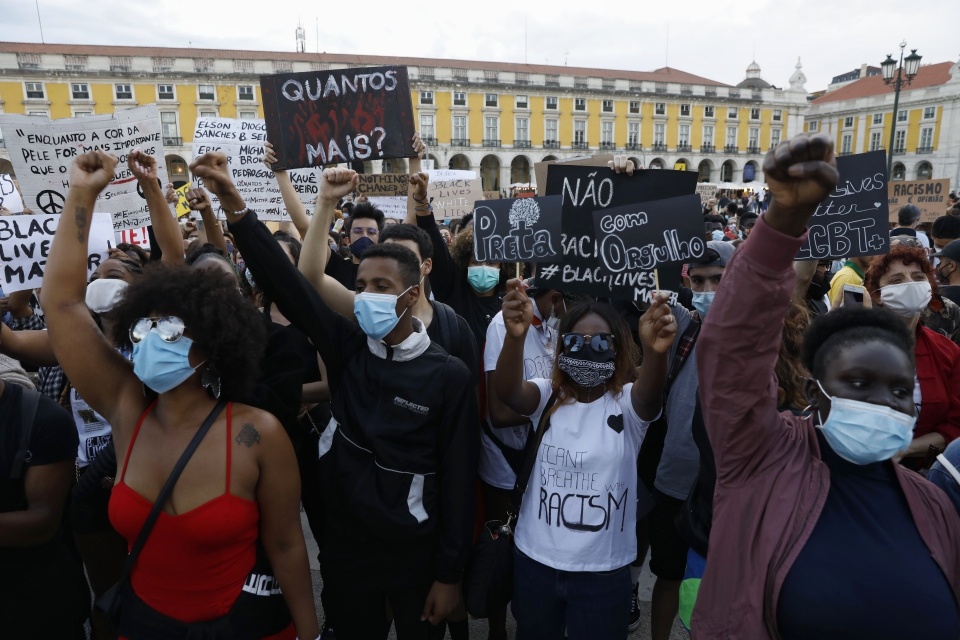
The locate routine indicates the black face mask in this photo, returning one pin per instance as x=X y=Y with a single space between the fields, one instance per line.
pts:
x=819 y=287
x=587 y=367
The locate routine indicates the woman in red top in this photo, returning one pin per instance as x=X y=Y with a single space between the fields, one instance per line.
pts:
x=241 y=487
x=903 y=282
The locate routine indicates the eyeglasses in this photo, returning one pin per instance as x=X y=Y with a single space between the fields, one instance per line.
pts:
x=169 y=328
x=600 y=343
x=361 y=231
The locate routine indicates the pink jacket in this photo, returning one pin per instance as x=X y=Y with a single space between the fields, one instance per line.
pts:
x=771 y=482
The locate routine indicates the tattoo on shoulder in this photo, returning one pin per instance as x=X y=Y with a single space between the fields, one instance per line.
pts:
x=248 y=435
x=80 y=217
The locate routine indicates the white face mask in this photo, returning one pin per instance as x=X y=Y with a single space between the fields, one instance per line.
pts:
x=907 y=299
x=104 y=294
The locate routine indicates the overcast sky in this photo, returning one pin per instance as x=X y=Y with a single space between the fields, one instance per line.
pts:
x=712 y=38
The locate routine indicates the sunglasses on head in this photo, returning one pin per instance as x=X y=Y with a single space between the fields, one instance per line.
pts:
x=600 y=343
x=169 y=328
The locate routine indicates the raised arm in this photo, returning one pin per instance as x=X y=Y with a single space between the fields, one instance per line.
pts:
x=416 y=166
x=443 y=278
x=657 y=329
x=515 y=392
x=291 y=199
x=199 y=201
x=32 y=347
x=742 y=333
x=166 y=229
x=98 y=372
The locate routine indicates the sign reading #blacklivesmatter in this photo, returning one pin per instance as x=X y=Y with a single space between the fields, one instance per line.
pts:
x=518 y=230
x=43 y=150
x=319 y=118
x=931 y=196
x=853 y=219
x=586 y=190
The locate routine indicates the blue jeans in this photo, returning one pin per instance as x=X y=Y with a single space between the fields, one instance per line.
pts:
x=589 y=605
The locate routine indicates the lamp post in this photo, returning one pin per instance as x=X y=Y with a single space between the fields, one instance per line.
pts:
x=898 y=74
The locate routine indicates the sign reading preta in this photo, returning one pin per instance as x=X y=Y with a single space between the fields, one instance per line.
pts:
x=589 y=189
x=931 y=196
x=853 y=219
x=43 y=150
x=520 y=230
x=649 y=235
x=319 y=118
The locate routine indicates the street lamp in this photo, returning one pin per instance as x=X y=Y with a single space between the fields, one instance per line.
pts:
x=898 y=74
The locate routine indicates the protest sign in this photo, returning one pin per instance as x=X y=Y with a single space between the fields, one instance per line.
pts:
x=382 y=184
x=649 y=235
x=9 y=196
x=139 y=237
x=42 y=152
x=520 y=230
x=451 y=174
x=241 y=140
x=491 y=195
x=588 y=189
x=453 y=198
x=317 y=118
x=540 y=168
x=182 y=207
x=706 y=190
x=931 y=196
x=853 y=219
x=391 y=206
x=25 y=246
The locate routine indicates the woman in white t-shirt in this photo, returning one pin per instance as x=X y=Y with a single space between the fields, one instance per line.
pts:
x=575 y=535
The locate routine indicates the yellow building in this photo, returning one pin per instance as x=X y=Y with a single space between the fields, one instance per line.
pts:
x=494 y=118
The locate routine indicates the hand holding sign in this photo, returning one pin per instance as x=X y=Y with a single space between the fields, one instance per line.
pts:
x=622 y=164
x=214 y=169
x=658 y=326
x=337 y=183
x=92 y=171
x=270 y=157
x=517 y=309
x=417 y=186
x=800 y=173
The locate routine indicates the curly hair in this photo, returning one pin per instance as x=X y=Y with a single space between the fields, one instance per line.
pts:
x=141 y=255
x=461 y=251
x=831 y=333
x=790 y=373
x=627 y=358
x=899 y=253
x=221 y=323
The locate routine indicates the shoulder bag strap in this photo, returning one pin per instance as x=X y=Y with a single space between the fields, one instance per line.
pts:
x=29 y=401
x=532 y=447
x=168 y=489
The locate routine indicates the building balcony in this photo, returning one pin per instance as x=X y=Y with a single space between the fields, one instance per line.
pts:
x=753 y=148
x=710 y=93
x=607 y=146
x=633 y=146
x=460 y=142
x=899 y=151
x=683 y=147
x=491 y=143
x=551 y=144
x=521 y=144
x=659 y=146
x=172 y=142
x=706 y=148
x=924 y=149
x=430 y=141
x=731 y=149
x=580 y=145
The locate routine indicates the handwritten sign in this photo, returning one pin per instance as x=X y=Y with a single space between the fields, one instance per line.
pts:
x=139 y=237
x=853 y=219
x=454 y=198
x=25 y=246
x=318 y=118
x=588 y=189
x=519 y=230
x=242 y=142
x=706 y=190
x=182 y=207
x=650 y=235
x=9 y=196
x=491 y=195
x=930 y=195
x=451 y=174
x=382 y=184
x=540 y=168
x=391 y=206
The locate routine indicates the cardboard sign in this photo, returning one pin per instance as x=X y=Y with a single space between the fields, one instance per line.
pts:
x=519 y=230
x=25 y=246
x=540 y=168
x=318 y=118
x=454 y=198
x=451 y=174
x=588 y=189
x=491 y=195
x=9 y=196
x=706 y=190
x=382 y=184
x=242 y=142
x=391 y=206
x=42 y=152
x=182 y=207
x=139 y=237
x=650 y=235
x=930 y=195
x=853 y=219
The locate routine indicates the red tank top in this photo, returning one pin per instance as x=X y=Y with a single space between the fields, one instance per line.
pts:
x=194 y=564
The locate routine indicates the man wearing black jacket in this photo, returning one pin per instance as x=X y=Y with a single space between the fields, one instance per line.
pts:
x=399 y=458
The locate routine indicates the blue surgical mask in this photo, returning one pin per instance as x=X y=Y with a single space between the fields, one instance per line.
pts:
x=483 y=278
x=377 y=313
x=162 y=365
x=702 y=301
x=359 y=246
x=863 y=433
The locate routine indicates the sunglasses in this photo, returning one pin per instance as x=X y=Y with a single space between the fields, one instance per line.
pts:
x=169 y=328
x=600 y=343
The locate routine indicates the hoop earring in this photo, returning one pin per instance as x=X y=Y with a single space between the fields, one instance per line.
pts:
x=210 y=380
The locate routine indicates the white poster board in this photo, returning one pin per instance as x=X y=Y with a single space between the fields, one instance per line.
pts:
x=391 y=206
x=9 y=196
x=42 y=152
x=25 y=246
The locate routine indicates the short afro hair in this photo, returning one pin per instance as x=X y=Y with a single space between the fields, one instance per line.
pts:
x=406 y=260
x=222 y=324
x=366 y=211
x=832 y=332
x=946 y=228
x=411 y=232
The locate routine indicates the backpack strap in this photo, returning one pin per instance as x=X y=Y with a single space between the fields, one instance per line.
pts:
x=449 y=327
x=29 y=401
x=531 y=457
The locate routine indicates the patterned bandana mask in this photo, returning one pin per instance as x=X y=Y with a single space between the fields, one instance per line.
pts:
x=587 y=373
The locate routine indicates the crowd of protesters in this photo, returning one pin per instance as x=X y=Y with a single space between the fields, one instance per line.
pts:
x=780 y=443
